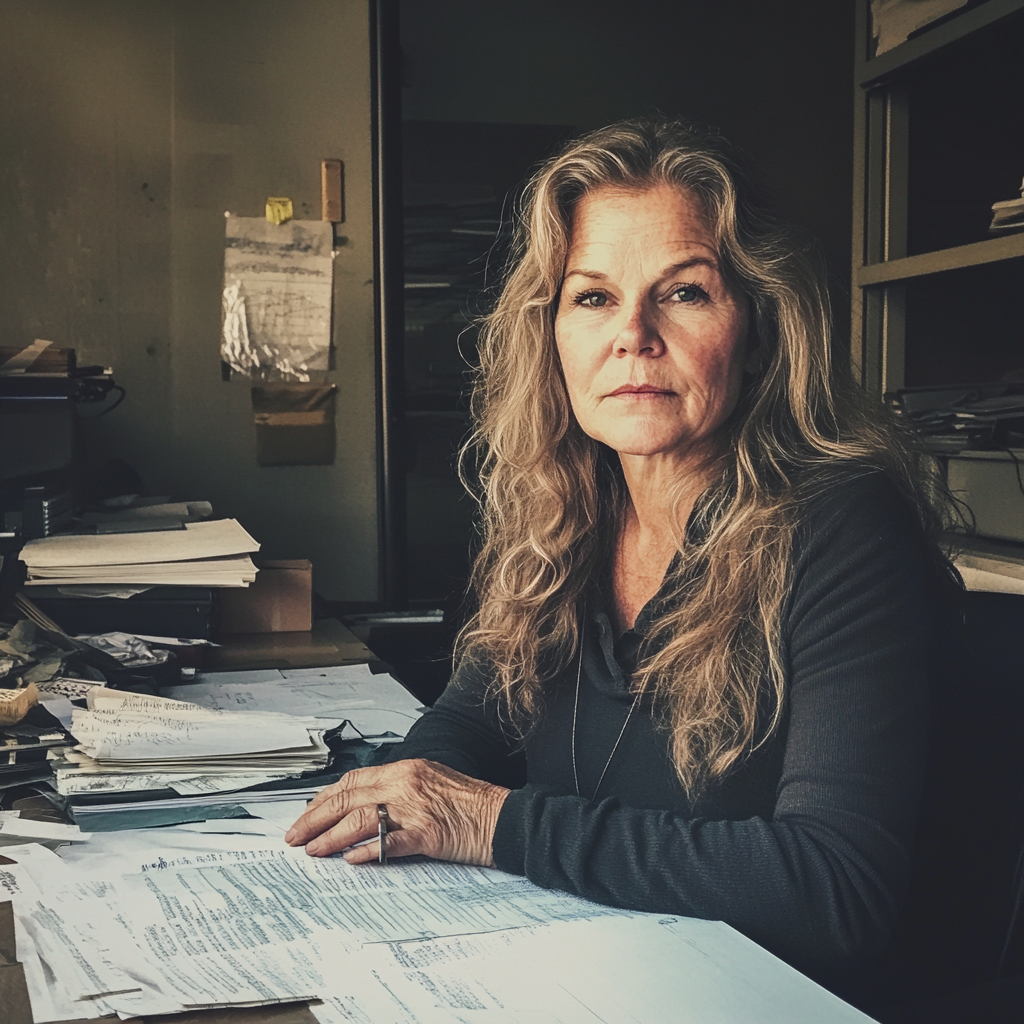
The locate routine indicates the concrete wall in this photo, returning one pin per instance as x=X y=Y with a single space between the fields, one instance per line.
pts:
x=129 y=129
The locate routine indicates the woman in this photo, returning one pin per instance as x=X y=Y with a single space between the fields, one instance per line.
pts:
x=696 y=681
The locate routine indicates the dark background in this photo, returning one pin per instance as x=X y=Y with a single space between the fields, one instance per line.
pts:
x=491 y=88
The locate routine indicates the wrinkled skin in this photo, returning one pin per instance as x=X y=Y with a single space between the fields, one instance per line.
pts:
x=432 y=810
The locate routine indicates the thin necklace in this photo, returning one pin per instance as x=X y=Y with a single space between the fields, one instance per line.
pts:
x=575 y=711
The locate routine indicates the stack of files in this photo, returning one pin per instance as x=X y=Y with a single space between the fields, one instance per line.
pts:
x=24 y=749
x=988 y=411
x=204 y=554
x=953 y=419
x=134 y=749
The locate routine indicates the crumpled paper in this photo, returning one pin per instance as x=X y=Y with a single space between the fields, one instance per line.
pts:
x=129 y=650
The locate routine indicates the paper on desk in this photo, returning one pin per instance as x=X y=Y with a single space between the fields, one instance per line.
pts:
x=135 y=728
x=226 y=783
x=108 y=855
x=651 y=968
x=288 y=922
x=42 y=830
x=80 y=932
x=196 y=541
x=281 y=814
x=333 y=693
x=161 y=572
x=58 y=705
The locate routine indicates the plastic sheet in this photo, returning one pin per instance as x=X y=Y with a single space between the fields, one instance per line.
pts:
x=278 y=286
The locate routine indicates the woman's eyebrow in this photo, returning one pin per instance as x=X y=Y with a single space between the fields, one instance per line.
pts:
x=695 y=261
x=594 y=274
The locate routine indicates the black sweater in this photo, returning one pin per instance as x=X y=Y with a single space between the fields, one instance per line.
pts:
x=805 y=846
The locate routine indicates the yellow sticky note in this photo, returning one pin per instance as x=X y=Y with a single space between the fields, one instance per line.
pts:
x=279 y=209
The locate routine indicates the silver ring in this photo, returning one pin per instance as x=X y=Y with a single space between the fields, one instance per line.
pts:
x=382 y=832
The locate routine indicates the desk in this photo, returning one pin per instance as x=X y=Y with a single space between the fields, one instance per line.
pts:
x=703 y=970
x=329 y=643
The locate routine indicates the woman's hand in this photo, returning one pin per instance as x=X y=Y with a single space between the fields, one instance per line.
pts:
x=432 y=810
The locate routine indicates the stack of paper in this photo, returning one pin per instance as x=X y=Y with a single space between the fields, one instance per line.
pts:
x=129 y=743
x=205 y=554
x=372 y=707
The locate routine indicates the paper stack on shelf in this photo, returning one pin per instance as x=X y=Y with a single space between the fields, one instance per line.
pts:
x=1008 y=215
x=203 y=554
x=953 y=419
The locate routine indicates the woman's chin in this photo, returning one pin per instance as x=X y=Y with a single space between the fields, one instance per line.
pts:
x=650 y=447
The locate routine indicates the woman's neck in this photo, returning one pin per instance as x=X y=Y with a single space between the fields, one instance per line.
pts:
x=662 y=494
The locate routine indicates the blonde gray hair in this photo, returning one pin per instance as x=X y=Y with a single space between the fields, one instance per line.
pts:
x=553 y=499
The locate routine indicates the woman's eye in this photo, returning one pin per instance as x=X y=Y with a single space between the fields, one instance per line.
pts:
x=592 y=300
x=689 y=293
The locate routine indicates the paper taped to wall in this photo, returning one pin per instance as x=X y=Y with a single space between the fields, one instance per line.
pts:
x=277 y=298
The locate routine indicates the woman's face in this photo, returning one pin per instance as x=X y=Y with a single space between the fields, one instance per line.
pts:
x=652 y=339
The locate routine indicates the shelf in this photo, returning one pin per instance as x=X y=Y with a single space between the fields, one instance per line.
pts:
x=873 y=71
x=991 y=250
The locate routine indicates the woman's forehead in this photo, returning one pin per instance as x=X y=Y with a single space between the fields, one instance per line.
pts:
x=611 y=220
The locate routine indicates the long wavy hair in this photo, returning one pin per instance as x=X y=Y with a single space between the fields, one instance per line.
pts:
x=553 y=499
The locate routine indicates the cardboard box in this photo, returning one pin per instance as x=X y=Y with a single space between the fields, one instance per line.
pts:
x=280 y=601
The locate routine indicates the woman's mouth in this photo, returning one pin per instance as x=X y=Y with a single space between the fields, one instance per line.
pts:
x=639 y=390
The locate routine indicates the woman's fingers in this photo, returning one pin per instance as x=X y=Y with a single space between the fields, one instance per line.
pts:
x=354 y=779
x=433 y=809
x=351 y=829
x=403 y=843
x=331 y=809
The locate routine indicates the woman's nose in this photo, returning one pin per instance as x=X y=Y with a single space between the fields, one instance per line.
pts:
x=639 y=333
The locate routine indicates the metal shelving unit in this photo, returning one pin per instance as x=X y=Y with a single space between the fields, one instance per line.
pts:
x=887 y=89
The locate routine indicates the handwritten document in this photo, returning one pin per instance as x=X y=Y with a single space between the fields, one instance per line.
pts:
x=133 y=727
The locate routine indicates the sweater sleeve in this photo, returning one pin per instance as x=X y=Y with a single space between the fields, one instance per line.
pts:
x=464 y=731
x=820 y=882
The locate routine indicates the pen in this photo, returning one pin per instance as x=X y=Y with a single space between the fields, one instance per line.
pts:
x=382 y=832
